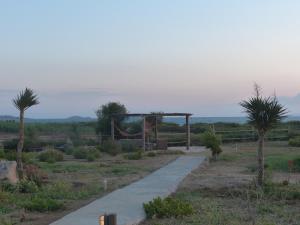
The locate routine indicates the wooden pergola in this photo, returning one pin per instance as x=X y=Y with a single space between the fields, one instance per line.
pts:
x=155 y=115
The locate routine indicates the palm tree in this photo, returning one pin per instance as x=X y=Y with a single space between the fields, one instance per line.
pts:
x=22 y=102
x=263 y=114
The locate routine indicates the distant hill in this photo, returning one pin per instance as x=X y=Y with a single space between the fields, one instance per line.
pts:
x=72 y=119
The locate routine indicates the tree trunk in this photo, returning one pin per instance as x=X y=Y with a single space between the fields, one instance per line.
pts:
x=20 y=146
x=260 y=157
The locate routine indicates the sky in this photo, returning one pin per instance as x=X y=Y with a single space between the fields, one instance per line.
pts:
x=191 y=56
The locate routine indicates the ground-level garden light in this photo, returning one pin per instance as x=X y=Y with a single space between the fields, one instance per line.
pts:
x=108 y=219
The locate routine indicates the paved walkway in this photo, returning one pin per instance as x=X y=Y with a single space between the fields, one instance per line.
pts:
x=127 y=202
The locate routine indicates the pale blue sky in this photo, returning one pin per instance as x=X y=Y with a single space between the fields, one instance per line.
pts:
x=195 y=56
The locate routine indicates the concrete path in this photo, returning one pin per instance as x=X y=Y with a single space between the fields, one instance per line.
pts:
x=127 y=202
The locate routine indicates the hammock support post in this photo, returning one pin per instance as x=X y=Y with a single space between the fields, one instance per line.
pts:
x=188 y=132
x=144 y=133
x=112 y=128
x=156 y=131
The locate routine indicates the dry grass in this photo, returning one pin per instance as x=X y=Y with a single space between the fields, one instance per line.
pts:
x=86 y=180
x=224 y=193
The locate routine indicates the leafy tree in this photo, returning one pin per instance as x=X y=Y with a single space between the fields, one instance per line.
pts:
x=213 y=142
x=263 y=114
x=104 y=115
x=22 y=102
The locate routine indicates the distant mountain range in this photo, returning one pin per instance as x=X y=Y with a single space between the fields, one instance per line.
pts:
x=178 y=120
x=72 y=119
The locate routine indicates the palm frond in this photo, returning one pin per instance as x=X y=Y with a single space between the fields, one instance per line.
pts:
x=263 y=113
x=25 y=99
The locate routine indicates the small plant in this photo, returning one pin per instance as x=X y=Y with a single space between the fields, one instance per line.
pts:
x=129 y=147
x=134 y=156
x=51 y=156
x=41 y=204
x=91 y=158
x=80 y=153
x=297 y=164
x=295 y=142
x=167 y=208
x=151 y=154
x=27 y=186
x=8 y=187
x=111 y=147
x=213 y=142
x=2 y=154
x=33 y=173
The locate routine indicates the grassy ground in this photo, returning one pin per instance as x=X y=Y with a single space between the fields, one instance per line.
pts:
x=224 y=192
x=72 y=184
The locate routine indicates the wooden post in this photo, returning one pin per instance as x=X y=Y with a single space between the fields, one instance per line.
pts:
x=188 y=131
x=144 y=133
x=156 y=131
x=112 y=129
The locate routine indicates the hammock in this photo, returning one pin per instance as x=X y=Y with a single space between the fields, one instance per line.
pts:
x=126 y=134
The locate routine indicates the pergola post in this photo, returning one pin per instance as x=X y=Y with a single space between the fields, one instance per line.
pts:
x=144 y=133
x=112 y=128
x=156 y=130
x=188 y=132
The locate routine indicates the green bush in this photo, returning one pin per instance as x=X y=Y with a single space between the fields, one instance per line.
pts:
x=2 y=154
x=297 y=164
x=295 y=142
x=42 y=204
x=91 y=158
x=129 y=147
x=8 y=187
x=111 y=147
x=80 y=153
x=151 y=154
x=27 y=186
x=134 y=156
x=213 y=142
x=167 y=208
x=51 y=156
x=94 y=152
x=35 y=174
x=11 y=155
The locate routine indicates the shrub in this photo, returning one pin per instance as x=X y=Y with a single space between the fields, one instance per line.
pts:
x=129 y=147
x=297 y=164
x=111 y=147
x=167 y=208
x=51 y=156
x=2 y=154
x=11 y=155
x=94 y=152
x=151 y=154
x=213 y=142
x=59 y=190
x=69 y=151
x=91 y=158
x=42 y=204
x=8 y=187
x=134 y=156
x=295 y=142
x=80 y=153
x=33 y=173
x=27 y=186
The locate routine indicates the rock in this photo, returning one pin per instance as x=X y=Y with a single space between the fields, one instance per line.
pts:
x=8 y=170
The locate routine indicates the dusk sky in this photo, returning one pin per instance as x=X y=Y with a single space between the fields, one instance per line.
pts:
x=156 y=55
